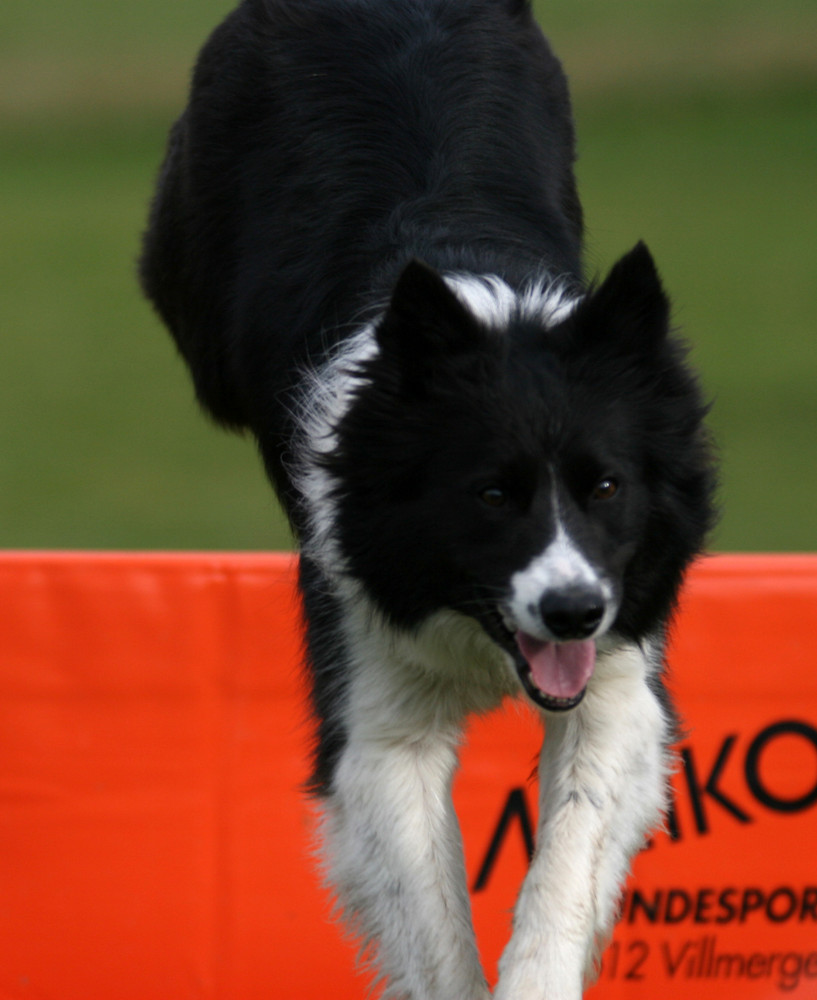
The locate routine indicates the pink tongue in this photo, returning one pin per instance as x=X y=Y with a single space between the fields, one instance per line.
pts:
x=558 y=669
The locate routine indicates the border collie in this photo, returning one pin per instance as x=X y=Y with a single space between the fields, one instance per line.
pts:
x=367 y=244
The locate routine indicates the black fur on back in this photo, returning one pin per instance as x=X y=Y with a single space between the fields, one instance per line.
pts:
x=326 y=143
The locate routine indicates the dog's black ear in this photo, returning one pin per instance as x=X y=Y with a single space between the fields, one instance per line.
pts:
x=425 y=318
x=629 y=310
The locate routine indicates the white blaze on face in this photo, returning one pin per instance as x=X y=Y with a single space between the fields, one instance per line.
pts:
x=558 y=603
x=562 y=567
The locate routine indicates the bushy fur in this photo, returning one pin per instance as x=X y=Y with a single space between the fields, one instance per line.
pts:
x=366 y=241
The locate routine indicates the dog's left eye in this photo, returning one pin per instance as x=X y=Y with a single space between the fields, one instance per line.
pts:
x=493 y=496
x=606 y=489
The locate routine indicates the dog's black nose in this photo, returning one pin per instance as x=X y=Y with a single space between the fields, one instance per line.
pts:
x=572 y=614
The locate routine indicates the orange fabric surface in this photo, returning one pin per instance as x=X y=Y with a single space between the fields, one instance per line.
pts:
x=154 y=842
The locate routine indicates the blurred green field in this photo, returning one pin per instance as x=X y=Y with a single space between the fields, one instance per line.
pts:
x=697 y=131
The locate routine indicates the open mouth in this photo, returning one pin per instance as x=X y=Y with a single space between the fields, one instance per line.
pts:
x=554 y=675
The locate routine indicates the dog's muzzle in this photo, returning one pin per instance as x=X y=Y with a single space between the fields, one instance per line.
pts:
x=554 y=665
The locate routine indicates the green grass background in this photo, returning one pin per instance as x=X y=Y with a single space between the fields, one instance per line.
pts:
x=697 y=130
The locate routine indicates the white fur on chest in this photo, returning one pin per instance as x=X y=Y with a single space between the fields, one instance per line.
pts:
x=418 y=681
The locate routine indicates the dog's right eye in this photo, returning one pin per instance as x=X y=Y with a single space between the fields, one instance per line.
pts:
x=493 y=496
x=606 y=489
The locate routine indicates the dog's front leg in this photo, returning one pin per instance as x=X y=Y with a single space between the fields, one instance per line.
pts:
x=393 y=854
x=602 y=778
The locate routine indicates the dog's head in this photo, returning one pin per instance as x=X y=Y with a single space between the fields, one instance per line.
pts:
x=539 y=467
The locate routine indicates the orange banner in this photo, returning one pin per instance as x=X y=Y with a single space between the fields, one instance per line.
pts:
x=154 y=842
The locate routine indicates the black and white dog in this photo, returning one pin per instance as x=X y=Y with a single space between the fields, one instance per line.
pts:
x=366 y=242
